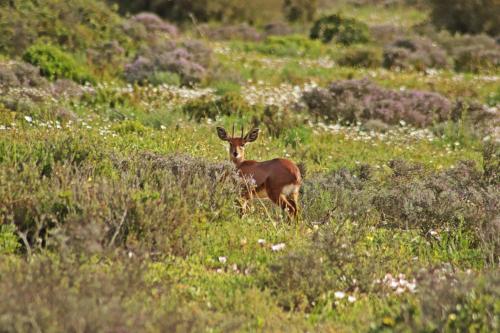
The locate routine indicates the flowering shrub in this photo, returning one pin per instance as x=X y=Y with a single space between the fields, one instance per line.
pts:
x=188 y=60
x=340 y=29
x=153 y=23
x=360 y=100
x=417 y=53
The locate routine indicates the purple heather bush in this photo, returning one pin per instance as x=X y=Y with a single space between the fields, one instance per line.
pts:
x=418 y=53
x=153 y=23
x=361 y=100
x=161 y=53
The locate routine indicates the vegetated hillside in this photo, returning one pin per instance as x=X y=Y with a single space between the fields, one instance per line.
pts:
x=119 y=209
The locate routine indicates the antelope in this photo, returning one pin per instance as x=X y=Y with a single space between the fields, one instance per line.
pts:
x=278 y=179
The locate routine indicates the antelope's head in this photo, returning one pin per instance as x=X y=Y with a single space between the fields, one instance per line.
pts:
x=237 y=145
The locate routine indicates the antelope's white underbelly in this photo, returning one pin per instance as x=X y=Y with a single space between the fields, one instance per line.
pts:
x=289 y=189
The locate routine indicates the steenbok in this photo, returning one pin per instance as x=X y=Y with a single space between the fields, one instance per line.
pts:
x=278 y=180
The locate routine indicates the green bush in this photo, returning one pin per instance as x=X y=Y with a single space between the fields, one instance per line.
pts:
x=293 y=46
x=228 y=104
x=163 y=77
x=367 y=57
x=9 y=242
x=55 y=63
x=277 y=120
x=466 y=16
x=340 y=29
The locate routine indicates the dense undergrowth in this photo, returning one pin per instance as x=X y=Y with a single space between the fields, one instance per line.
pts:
x=120 y=212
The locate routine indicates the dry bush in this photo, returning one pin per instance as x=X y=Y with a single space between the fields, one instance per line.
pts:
x=417 y=53
x=456 y=198
x=62 y=296
x=465 y=16
x=20 y=74
x=385 y=34
x=153 y=205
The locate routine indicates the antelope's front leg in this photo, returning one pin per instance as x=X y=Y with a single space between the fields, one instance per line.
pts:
x=243 y=201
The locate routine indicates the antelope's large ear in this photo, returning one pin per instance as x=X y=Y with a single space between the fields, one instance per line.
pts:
x=252 y=135
x=222 y=134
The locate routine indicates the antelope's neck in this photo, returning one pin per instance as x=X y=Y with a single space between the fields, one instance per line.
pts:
x=237 y=162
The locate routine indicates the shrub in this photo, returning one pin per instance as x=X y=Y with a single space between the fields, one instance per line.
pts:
x=228 y=104
x=332 y=261
x=417 y=53
x=455 y=198
x=474 y=59
x=54 y=63
x=300 y=10
x=360 y=100
x=168 y=78
x=472 y=53
x=77 y=25
x=9 y=241
x=277 y=120
x=153 y=23
x=65 y=296
x=176 y=62
x=367 y=57
x=291 y=46
x=340 y=29
x=20 y=74
x=108 y=57
x=188 y=59
x=384 y=34
x=466 y=16
x=340 y=195
x=152 y=205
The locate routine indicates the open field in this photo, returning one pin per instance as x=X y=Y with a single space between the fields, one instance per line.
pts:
x=119 y=208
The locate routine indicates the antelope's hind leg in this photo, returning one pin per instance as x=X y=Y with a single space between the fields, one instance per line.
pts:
x=294 y=199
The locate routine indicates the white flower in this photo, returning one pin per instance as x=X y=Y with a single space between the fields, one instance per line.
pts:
x=278 y=247
x=28 y=119
x=399 y=290
x=261 y=241
x=339 y=294
x=222 y=260
x=351 y=299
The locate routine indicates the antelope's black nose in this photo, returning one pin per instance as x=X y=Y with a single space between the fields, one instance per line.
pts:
x=235 y=154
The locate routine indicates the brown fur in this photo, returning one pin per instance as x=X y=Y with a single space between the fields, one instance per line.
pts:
x=270 y=178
